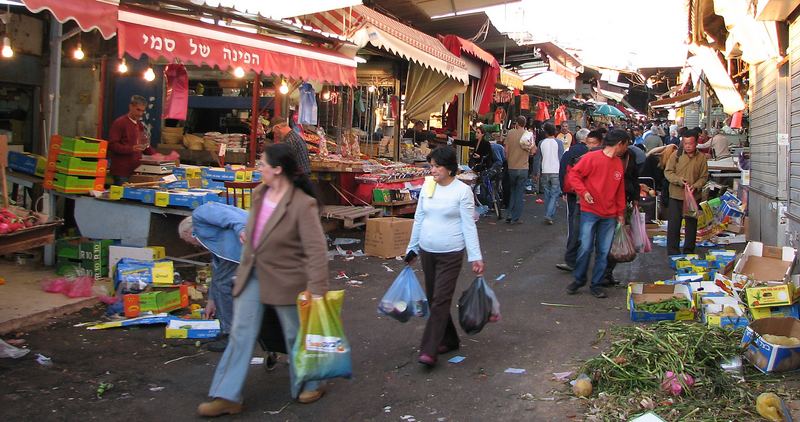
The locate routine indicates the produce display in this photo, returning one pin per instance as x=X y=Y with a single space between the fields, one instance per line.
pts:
x=15 y=220
x=674 y=304
x=393 y=173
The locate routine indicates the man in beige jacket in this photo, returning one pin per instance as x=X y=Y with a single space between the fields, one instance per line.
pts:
x=686 y=168
x=518 y=148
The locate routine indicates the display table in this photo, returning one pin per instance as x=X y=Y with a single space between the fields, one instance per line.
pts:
x=203 y=157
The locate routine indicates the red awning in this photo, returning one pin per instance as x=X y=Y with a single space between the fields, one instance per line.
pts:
x=143 y=33
x=470 y=48
x=88 y=14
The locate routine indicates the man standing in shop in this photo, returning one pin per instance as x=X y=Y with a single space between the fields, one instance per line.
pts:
x=686 y=170
x=418 y=134
x=564 y=136
x=284 y=133
x=127 y=140
x=517 y=151
x=598 y=180
x=552 y=150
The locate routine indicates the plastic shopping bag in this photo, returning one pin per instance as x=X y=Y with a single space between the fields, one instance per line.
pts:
x=405 y=298
x=622 y=249
x=690 y=208
x=477 y=306
x=321 y=350
x=641 y=241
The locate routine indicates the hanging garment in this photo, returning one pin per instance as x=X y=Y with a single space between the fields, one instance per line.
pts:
x=308 y=105
x=542 y=113
x=451 y=119
x=561 y=114
x=499 y=114
x=736 y=120
x=176 y=101
x=524 y=102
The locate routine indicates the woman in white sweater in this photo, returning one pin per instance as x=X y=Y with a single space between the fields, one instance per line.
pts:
x=443 y=228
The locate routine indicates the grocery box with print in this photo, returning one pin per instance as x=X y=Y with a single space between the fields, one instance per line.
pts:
x=660 y=302
x=773 y=344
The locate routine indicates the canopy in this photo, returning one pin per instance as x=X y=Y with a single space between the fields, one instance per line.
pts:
x=363 y=26
x=426 y=91
x=279 y=9
x=510 y=79
x=144 y=33
x=616 y=96
x=483 y=88
x=676 y=101
x=705 y=60
x=607 y=110
x=550 y=80
x=88 y=14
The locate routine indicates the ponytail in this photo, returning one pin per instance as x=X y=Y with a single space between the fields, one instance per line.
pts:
x=302 y=182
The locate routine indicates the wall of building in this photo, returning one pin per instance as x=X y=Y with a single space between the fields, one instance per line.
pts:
x=80 y=89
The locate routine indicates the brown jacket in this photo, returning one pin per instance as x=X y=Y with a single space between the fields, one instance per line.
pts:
x=516 y=154
x=693 y=170
x=292 y=255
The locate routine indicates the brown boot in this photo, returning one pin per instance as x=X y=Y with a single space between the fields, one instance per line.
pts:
x=307 y=397
x=219 y=407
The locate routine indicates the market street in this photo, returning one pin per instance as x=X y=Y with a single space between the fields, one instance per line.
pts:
x=388 y=383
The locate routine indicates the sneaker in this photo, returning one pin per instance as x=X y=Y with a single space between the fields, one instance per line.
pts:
x=548 y=221
x=427 y=360
x=610 y=281
x=565 y=267
x=573 y=288
x=599 y=293
x=307 y=397
x=270 y=361
x=508 y=221
x=219 y=344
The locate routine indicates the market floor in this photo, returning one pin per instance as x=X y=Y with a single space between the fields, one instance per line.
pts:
x=388 y=384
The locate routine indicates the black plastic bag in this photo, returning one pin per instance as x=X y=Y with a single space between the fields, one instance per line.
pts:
x=475 y=306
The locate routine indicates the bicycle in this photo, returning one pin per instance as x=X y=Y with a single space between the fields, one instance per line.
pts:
x=488 y=191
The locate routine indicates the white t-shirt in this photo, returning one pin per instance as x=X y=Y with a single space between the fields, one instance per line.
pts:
x=527 y=140
x=549 y=150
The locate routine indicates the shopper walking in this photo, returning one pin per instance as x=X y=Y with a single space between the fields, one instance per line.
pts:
x=517 y=153
x=685 y=169
x=443 y=228
x=564 y=136
x=552 y=150
x=587 y=141
x=599 y=182
x=284 y=133
x=285 y=253
x=652 y=139
x=631 y=197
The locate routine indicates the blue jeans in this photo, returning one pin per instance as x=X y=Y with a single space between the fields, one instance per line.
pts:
x=248 y=312
x=221 y=290
x=552 y=191
x=517 y=180
x=593 y=229
x=573 y=233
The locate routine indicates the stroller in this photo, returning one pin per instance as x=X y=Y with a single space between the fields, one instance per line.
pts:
x=649 y=204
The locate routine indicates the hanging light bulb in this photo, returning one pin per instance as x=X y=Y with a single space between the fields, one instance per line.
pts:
x=123 y=67
x=149 y=75
x=371 y=88
x=78 y=54
x=238 y=72
x=284 y=89
x=326 y=95
x=7 y=51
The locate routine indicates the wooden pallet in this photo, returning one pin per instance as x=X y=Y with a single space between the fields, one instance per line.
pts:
x=352 y=216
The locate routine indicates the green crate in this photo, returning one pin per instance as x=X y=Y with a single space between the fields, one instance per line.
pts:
x=95 y=249
x=79 y=147
x=75 y=166
x=68 y=247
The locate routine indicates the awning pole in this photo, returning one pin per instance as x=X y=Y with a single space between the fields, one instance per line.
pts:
x=54 y=82
x=256 y=91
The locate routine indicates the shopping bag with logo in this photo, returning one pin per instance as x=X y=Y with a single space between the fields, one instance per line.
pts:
x=622 y=249
x=321 y=350
x=477 y=306
x=405 y=298
x=690 y=208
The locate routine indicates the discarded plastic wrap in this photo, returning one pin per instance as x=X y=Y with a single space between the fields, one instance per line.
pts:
x=622 y=249
x=477 y=306
x=641 y=241
x=321 y=350
x=405 y=298
x=690 y=208
x=78 y=287
x=9 y=351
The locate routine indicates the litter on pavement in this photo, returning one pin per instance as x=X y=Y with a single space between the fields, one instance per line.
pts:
x=456 y=359
x=9 y=351
x=514 y=371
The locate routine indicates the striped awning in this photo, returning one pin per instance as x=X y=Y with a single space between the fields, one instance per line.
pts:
x=363 y=26
x=88 y=14
x=510 y=79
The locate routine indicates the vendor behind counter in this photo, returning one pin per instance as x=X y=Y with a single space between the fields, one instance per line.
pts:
x=419 y=134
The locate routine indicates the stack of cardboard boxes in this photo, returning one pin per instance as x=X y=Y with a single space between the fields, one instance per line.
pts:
x=76 y=165
x=91 y=256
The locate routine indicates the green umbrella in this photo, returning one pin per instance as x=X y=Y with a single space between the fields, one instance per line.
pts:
x=607 y=110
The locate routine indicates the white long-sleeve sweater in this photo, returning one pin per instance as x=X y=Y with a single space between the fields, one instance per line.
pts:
x=444 y=222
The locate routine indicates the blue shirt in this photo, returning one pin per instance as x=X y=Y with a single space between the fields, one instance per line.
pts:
x=217 y=226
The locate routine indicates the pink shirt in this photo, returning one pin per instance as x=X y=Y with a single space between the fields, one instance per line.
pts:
x=267 y=207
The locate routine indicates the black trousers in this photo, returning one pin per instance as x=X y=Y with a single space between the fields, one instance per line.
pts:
x=674 y=218
x=573 y=232
x=441 y=276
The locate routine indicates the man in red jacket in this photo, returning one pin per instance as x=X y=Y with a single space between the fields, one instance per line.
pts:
x=598 y=180
x=127 y=140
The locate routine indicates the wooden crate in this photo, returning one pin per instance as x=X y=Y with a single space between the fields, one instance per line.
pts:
x=351 y=216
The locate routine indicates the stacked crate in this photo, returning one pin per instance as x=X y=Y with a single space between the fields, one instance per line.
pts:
x=90 y=256
x=76 y=165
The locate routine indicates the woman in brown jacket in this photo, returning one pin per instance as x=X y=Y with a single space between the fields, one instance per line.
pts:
x=284 y=253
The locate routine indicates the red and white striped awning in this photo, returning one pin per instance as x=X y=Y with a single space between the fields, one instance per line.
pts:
x=363 y=26
x=88 y=14
x=143 y=32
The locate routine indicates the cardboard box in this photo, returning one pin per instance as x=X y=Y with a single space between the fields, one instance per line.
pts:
x=226 y=175
x=782 y=294
x=165 y=300
x=147 y=196
x=157 y=273
x=75 y=166
x=387 y=237
x=641 y=293
x=769 y=357
x=95 y=249
x=792 y=311
x=116 y=253
x=177 y=328
x=73 y=184
x=24 y=162
x=79 y=147
x=712 y=308
x=761 y=263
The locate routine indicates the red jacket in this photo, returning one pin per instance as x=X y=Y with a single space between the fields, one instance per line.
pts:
x=122 y=137
x=603 y=178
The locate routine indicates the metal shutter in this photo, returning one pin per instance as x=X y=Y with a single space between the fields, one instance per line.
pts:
x=764 y=129
x=794 y=119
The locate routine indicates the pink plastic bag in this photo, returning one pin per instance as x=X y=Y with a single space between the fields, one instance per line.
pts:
x=79 y=287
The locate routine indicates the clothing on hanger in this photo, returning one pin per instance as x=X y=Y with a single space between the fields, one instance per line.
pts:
x=307 y=109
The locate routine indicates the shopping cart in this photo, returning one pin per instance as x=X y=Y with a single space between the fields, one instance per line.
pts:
x=649 y=204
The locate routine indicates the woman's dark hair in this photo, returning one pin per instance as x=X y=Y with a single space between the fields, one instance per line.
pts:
x=281 y=155
x=481 y=129
x=615 y=136
x=445 y=156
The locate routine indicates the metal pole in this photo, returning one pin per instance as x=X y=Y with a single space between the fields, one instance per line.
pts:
x=54 y=82
x=101 y=98
x=254 y=118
